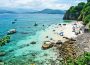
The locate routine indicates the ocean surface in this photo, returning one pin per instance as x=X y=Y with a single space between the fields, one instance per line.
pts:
x=19 y=51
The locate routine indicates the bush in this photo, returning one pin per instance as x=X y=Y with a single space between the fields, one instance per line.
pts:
x=81 y=60
x=4 y=40
x=87 y=19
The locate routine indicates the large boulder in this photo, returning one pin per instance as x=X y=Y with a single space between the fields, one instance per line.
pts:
x=47 y=45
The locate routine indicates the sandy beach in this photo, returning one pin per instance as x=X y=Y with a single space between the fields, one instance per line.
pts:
x=52 y=33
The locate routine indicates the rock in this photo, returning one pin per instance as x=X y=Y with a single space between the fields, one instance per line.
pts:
x=59 y=42
x=72 y=39
x=1 y=63
x=12 y=31
x=47 y=45
x=24 y=33
x=33 y=42
x=64 y=24
x=46 y=36
x=51 y=38
x=43 y=25
x=13 y=22
x=66 y=37
x=2 y=53
x=59 y=24
x=53 y=30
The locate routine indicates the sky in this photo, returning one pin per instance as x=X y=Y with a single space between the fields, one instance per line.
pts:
x=39 y=4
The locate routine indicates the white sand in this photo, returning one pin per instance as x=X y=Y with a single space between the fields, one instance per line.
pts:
x=54 y=35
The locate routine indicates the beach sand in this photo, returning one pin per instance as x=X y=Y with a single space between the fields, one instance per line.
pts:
x=52 y=33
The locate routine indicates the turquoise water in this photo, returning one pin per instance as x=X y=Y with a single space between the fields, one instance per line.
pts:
x=19 y=51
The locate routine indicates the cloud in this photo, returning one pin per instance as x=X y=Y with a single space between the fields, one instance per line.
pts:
x=39 y=4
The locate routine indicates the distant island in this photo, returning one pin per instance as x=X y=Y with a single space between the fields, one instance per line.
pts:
x=51 y=11
x=25 y=11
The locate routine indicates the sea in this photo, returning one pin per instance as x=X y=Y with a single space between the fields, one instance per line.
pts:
x=19 y=51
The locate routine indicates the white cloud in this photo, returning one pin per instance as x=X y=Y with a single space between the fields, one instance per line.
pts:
x=38 y=4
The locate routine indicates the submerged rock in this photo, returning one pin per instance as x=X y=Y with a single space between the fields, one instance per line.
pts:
x=1 y=63
x=33 y=42
x=43 y=25
x=46 y=36
x=13 y=22
x=12 y=31
x=2 y=53
x=47 y=45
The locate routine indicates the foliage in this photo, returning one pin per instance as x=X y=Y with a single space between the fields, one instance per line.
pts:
x=4 y=40
x=87 y=19
x=74 y=11
x=80 y=12
x=81 y=60
x=88 y=0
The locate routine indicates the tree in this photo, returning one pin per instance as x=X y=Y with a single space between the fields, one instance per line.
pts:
x=88 y=0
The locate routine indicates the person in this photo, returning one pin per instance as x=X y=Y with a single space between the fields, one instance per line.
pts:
x=73 y=29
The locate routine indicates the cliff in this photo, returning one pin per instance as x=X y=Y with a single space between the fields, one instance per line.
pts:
x=80 y=12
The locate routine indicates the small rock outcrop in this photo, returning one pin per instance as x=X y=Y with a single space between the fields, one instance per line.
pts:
x=33 y=42
x=47 y=45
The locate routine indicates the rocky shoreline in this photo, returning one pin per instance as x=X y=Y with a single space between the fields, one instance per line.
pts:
x=68 y=44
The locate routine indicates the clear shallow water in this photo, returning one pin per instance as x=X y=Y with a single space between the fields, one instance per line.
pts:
x=18 y=52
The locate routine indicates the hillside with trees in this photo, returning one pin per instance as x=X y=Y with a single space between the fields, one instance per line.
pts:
x=80 y=12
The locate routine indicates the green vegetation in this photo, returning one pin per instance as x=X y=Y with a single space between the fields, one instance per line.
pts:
x=4 y=40
x=74 y=12
x=80 y=12
x=87 y=19
x=88 y=0
x=81 y=60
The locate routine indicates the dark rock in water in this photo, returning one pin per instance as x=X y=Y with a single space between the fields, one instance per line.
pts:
x=47 y=45
x=13 y=22
x=24 y=33
x=33 y=54
x=33 y=42
x=59 y=42
x=2 y=53
x=0 y=60
x=42 y=25
x=59 y=24
x=12 y=31
x=53 y=30
x=64 y=24
x=35 y=24
x=46 y=36
x=51 y=38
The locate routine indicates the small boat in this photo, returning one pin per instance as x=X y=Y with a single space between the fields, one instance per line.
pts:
x=11 y=31
x=35 y=24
